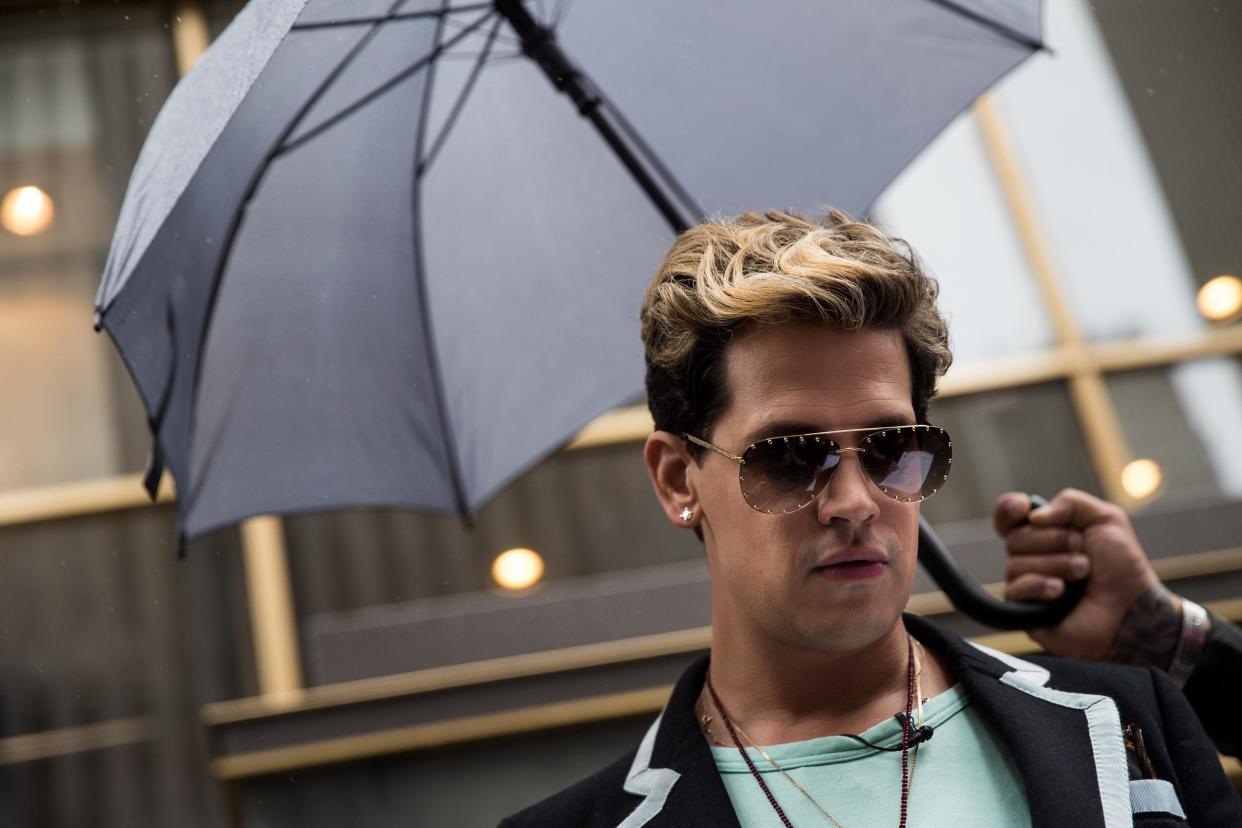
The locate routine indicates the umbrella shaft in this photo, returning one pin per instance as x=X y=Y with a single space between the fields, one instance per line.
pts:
x=539 y=44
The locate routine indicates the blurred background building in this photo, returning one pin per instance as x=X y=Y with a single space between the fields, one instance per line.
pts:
x=377 y=669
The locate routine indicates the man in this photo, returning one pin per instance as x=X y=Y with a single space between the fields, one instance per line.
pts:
x=790 y=365
x=1126 y=615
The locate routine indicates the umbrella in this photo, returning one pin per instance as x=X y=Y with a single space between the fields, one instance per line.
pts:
x=371 y=256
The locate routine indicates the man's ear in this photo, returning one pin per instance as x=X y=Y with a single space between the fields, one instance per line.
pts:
x=667 y=464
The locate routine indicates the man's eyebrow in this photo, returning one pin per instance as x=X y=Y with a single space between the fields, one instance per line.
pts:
x=780 y=428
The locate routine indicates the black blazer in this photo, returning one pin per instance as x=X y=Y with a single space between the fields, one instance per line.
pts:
x=1062 y=721
x=1213 y=686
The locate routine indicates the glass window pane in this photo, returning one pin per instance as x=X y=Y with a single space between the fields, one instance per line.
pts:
x=986 y=288
x=1181 y=69
x=76 y=100
x=1098 y=200
x=1021 y=439
x=1100 y=140
x=1185 y=418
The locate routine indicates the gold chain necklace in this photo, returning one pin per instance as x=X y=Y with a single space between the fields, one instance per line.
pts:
x=792 y=781
x=914 y=759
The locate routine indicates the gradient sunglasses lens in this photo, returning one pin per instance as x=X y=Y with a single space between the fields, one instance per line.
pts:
x=783 y=474
x=908 y=463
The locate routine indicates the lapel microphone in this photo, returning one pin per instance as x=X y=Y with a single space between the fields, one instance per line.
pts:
x=922 y=733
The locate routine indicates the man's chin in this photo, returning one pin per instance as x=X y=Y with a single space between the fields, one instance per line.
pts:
x=847 y=632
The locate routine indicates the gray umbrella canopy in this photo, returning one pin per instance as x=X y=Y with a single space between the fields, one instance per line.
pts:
x=370 y=256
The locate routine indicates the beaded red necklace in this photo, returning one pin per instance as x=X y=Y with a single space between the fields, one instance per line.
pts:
x=905 y=741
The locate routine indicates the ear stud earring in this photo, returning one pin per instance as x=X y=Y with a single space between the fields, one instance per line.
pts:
x=687 y=513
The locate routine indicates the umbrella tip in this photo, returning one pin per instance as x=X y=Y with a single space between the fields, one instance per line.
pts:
x=98 y=321
x=154 y=474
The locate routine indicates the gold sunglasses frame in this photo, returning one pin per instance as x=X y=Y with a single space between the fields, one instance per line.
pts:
x=882 y=431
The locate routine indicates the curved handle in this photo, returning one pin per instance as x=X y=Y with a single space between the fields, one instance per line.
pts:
x=973 y=600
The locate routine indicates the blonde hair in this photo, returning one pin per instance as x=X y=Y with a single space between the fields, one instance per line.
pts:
x=775 y=268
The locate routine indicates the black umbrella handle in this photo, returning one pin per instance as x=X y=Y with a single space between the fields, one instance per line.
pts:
x=971 y=599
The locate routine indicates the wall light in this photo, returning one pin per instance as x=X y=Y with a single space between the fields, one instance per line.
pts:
x=1141 y=478
x=26 y=211
x=517 y=568
x=1220 y=299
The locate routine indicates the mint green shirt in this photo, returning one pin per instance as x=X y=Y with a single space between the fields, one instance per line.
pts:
x=964 y=778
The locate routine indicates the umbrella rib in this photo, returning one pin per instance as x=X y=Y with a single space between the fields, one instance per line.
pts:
x=450 y=21
x=458 y=105
x=387 y=18
x=194 y=488
x=995 y=25
x=420 y=284
x=539 y=43
x=412 y=69
x=492 y=59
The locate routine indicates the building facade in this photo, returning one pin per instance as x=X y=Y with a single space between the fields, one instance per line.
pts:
x=365 y=667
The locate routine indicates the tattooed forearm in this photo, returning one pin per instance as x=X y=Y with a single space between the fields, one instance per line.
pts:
x=1149 y=630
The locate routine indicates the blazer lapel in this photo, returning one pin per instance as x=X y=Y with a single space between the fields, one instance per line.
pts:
x=1068 y=747
x=674 y=771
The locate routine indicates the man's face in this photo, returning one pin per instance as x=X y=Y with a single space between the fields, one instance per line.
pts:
x=768 y=572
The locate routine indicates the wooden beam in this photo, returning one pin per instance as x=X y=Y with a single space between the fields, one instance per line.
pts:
x=189 y=33
x=70 y=500
x=273 y=622
x=657 y=645
x=438 y=734
x=633 y=423
x=510 y=722
x=52 y=743
x=1097 y=415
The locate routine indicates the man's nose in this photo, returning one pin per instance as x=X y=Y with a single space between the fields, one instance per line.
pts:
x=850 y=495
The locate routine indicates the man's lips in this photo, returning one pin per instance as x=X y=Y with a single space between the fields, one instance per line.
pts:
x=853 y=556
x=853 y=563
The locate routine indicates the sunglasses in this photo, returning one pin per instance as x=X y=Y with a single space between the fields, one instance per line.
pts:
x=780 y=475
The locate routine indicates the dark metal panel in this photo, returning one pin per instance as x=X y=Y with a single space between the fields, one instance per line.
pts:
x=1181 y=66
x=281 y=730
x=586 y=512
x=101 y=622
x=658 y=595
x=468 y=786
x=622 y=604
x=437 y=632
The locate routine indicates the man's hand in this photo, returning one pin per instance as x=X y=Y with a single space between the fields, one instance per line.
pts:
x=1126 y=614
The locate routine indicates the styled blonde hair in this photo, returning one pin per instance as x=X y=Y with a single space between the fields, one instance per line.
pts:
x=775 y=268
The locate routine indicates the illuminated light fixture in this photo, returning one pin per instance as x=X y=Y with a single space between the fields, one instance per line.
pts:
x=1220 y=299
x=1141 y=478
x=517 y=568
x=26 y=211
